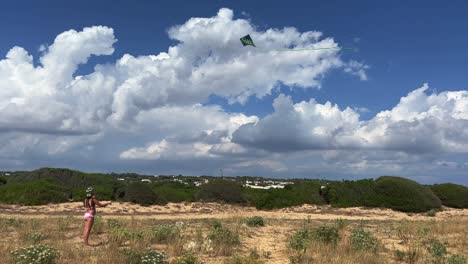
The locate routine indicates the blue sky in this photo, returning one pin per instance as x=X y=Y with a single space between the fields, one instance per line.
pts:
x=400 y=45
x=405 y=43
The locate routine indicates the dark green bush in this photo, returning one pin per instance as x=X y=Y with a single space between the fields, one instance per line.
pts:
x=436 y=248
x=255 y=221
x=300 y=239
x=327 y=234
x=404 y=195
x=452 y=195
x=363 y=240
x=35 y=192
x=142 y=194
x=3 y=180
x=221 y=191
x=387 y=191
x=351 y=193
x=175 y=192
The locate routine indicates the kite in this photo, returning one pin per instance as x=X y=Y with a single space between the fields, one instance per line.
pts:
x=247 y=41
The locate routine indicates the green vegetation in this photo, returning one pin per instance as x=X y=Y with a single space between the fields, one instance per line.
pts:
x=35 y=237
x=49 y=185
x=255 y=221
x=221 y=191
x=363 y=240
x=436 y=248
x=456 y=259
x=35 y=192
x=405 y=195
x=300 y=240
x=38 y=254
x=327 y=234
x=175 y=192
x=222 y=239
x=142 y=193
x=389 y=192
x=351 y=193
x=150 y=256
x=188 y=258
x=306 y=192
x=165 y=233
x=452 y=195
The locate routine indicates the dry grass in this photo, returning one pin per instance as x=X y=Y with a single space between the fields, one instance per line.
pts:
x=400 y=241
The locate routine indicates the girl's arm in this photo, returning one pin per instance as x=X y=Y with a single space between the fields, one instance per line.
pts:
x=100 y=204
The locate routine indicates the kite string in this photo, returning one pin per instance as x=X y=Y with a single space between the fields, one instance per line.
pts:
x=305 y=49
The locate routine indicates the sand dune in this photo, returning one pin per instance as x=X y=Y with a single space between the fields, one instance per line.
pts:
x=215 y=210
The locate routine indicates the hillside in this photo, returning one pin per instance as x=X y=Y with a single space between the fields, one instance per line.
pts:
x=51 y=185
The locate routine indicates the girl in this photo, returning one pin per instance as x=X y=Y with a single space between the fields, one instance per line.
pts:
x=90 y=206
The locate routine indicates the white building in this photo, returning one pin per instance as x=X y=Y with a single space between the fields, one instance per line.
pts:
x=272 y=186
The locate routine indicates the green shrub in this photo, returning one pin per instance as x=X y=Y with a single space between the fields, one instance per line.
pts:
x=164 y=233
x=456 y=259
x=151 y=256
x=327 y=234
x=215 y=223
x=223 y=240
x=452 y=195
x=351 y=193
x=400 y=255
x=35 y=237
x=142 y=194
x=341 y=223
x=37 y=192
x=131 y=256
x=75 y=182
x=3 y=180
x=436 y=248
x=120 y=235
x=255 y=221
x=363 y=240
x=221 y=191
x=387 y=191
x=188 y=258
x=431 y=213
x=175 y=192
x=300 y=240
x=35 y=254
x=405 y=195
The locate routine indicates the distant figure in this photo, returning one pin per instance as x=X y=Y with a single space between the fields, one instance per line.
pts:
x=90 y=206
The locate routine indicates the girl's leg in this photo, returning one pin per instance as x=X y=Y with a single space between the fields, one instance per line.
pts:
x=87 y=229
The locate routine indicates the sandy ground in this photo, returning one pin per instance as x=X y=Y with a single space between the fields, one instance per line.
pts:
x=271 y=238
x=222 y=211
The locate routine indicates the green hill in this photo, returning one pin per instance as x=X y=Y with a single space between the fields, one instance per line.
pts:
x=390 y=192
x=55 y=185
x=452 y=195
